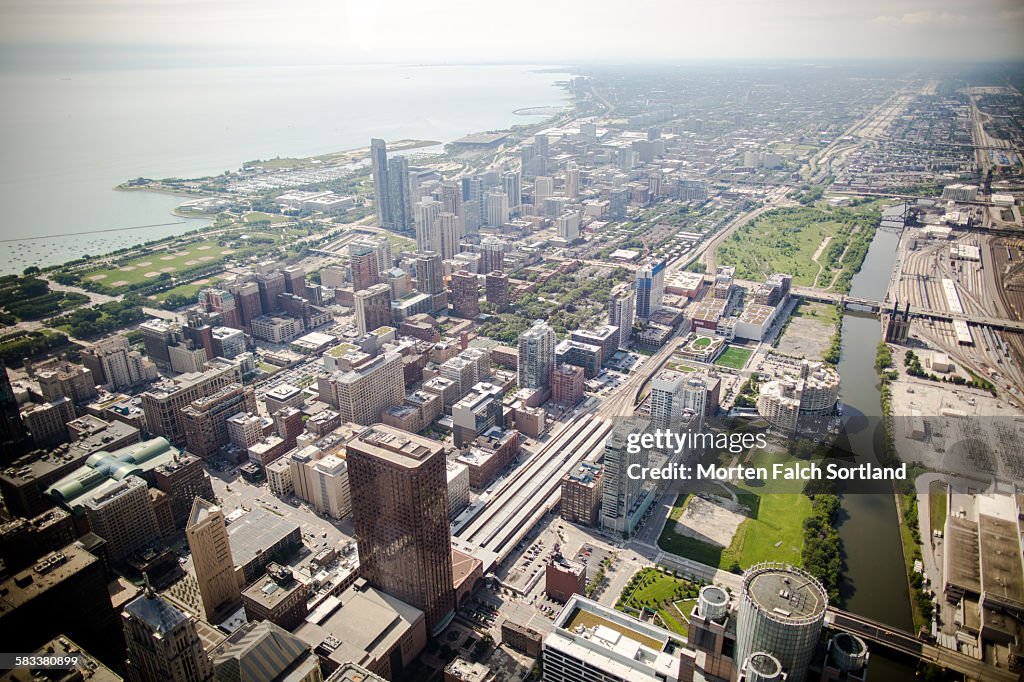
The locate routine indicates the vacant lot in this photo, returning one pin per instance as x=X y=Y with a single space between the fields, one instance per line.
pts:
x=772 y=531
x=809 y=331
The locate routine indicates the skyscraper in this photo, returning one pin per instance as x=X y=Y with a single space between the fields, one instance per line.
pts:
x=451 y=199
x=449 y=233
x=572 y=180
x=428 y=229
x=497 y=208
x=650 y=287
x=400 y=513
x=379 y=169
x=220 y=581
x=373 y=307
x=621 y=312
x=667 y=399
x=513 y=184
x=364 y=264
x=429 y=276
x=492 y=254
x=465 y=295
x=623 y=498
x=399 y=195
x=536 y=355
x=162 y=642
x=14 y=439
x=496 y=291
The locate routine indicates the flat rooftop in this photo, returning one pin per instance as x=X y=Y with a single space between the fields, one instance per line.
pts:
x=254 y=532
x=786 y=593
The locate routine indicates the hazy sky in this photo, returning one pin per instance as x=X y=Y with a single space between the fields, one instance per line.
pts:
x=525 y=30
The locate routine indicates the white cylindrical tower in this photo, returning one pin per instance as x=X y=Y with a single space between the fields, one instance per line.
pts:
x=781 y=612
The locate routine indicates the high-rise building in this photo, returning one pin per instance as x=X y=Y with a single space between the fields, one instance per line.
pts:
x=23 y=541
x=492 y=254
x=581 y=494
x=115 y=366
x=568 y=226
x=400 y=513
x=623 y=498
x=450 y=234
x=481 y=409
x=543 y=187
x=220 y=581
x=512 y=182
x=228 y=342
x=63 y=379
x=157 y=336
x=572 y=180
x=164 y=404
x=567 y=384
x=536 y=355
x=667 y=400
x=496 y=202
x=399 y=195
x=14 y=438
x=379 y=169
x=365 y=267
x=428 y=227
x=122 y=514
x=183 y=480
x=373 y=307
x=496 y=290
x=68 y=581
x=527 y=159
x=247 y=298
x=465 y=295
x=451 y=200
x=223 y=303
x=650 y=287
x=429 y=273
x=205 y=419
x=618 y=200
x=363 y=393
x=621 y=312
x=162 y=642
x=48 y=422
x=271 y=285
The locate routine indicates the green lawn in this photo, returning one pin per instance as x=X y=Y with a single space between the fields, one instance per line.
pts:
x=661 y=592
x=786 y=240
x=701 y=342
x=149 y=267
x=823 y=312
x=186 y=290
x=774 y=531
x=682 y=368
x=734 y=357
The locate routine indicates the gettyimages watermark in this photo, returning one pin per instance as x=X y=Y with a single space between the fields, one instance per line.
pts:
x=850 y=454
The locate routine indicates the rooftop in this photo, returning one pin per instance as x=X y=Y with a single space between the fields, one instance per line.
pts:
x=785 y=592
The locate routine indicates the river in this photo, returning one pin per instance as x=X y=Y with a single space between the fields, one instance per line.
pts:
x=875 y=576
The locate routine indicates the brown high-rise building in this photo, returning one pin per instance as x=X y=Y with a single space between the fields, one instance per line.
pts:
x=270 y=285
x=465 y=295
x=496 y=290
x=183 y=480
x=373 y=307
x=364 y=265
x=400 y=512
x=492 y=255
x=220 y=581
x=205 y=419
x=247 y=300
x=567 y=384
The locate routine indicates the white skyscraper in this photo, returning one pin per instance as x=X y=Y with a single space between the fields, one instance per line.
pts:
x=428 y=229
x=497 y=208
x=536 y=355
